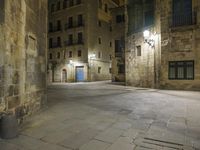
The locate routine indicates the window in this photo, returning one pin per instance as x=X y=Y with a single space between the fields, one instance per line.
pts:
x=80 y=38
x=58 y=5
x=139 y=52
x=78 y=2
x=58 y=25
x=58 y=41
x=110 y=28
x=70 y=39
x=79 y=53
x=182 y=12
x=99 y=40
x=141 y=14
x=121 y=68
x=50 y=56
x=50 y=43
x=50 y=26
x=71 y=3
x=64 y=4
x=110 y=44
x=80 y=20
x=117 y=46
x=70 y=22
x=110 y=70
x=58 y=55
x=99 y=23
x=70 y=54
x=181 y=70
x=99 y=69
x=120 y=18
x=100 y=4
x=149 y=13
x=52 y=7
x=64 y=54
x=106 y=8
x=149 y=18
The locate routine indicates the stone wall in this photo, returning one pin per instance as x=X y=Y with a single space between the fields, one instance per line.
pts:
x=173 y=42
x=142 y=68
x=179 y=43
x=23 y=48
x=118 y=33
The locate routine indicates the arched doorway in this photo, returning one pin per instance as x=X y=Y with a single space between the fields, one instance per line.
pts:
x=64 y=75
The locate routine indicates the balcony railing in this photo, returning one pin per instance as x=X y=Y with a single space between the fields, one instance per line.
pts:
x=119 y=54
x=187 y=18
x=55 y=29
x=55 y=45
x=77 y=25
x=71 y=43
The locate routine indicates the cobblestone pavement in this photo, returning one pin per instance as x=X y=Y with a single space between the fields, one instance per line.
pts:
x=102 y=116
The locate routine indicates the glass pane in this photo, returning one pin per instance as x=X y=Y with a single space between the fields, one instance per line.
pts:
x=190 y=73
x=180 y=72
x=172 y=73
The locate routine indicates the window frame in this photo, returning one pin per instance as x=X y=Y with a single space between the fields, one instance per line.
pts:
x=185 y=66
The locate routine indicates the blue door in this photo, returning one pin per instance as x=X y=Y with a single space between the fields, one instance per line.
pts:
x=80 y=74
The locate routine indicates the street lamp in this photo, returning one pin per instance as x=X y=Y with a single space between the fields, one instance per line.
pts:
x=148 y=38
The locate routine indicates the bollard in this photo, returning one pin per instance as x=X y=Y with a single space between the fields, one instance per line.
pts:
x=8 y=126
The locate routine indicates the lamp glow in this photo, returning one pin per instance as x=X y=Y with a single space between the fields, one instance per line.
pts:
x=146 y=33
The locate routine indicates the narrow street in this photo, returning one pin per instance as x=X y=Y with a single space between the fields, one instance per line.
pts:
x=103 y=116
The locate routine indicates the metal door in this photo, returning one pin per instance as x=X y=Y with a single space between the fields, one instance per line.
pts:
x=80 y=74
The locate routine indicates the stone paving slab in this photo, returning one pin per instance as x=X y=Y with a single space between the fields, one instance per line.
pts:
x=76 y=141
x=123 y=143
x=95 y=145
x=110 y=135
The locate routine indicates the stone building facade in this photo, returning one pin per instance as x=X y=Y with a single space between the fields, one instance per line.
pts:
x=118 y=40
x=180 y=36
x=22 y=56
x=80 y=39
x=162 y=44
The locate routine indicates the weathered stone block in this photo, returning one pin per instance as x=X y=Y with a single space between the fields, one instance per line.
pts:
x=13 y=102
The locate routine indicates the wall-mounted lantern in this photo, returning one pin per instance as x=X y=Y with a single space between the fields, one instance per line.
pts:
x=148 y=38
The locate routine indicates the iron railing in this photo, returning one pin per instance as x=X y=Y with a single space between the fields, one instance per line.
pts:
x=186 y=18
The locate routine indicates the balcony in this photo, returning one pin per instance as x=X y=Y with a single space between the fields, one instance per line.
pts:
x=70 y=26
x=73 y=43
x=55 y=45
x=119 y=54
x=188 y=18
x=55 y=29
